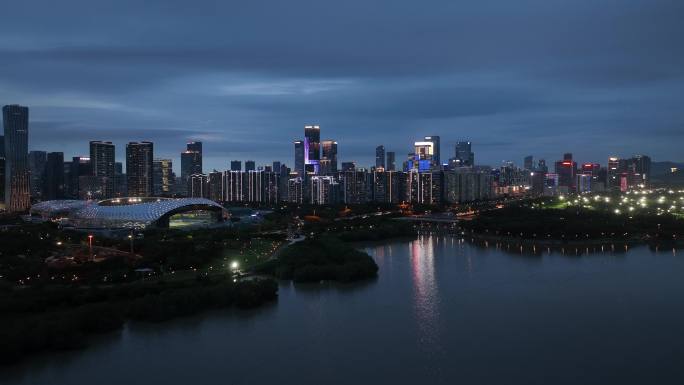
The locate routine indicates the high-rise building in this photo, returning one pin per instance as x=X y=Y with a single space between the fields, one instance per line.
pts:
x=275 y=167
x=191 y=163
x=329 y=156
x=324 y=190
x=642 y=167
x=436 y=153
x=312 y=146
x=348 y=166
x=37 y=161
x=102 y=158
x=235 y=165
x=613 y=171
x=299 y=158
x=356 y=187
x=139 y=168
x=196 y=147
x=250 y=165
x=103 y=164
x=295 y=190
x=424 y=187
x=464 y=156
x=215 y=186
x=528 y=163
x=53 y=185
x=391 y=161
x=197 y=186
x=15 y=122
x=566 y=170
x=380 y=156
x=75 y=171
x=467 y=185
x=162 y=182
x=2 y=171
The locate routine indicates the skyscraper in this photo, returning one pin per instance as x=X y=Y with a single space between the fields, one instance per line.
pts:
x=464 y=155
x=528 y=163
x=37 y=160
x=78 y=168
x=330 y=155
x=380 y=156
x=15 y=121
x=162 y=176
x=299 y=157
x=235 y=165
x=391 y=163
x=250 y=165
x=102 y=162
x=566 y=170
x=436 y=157
x=53 y=184
x=312 y=146
x=196 y=147
x=2 y=171
x=139 y=168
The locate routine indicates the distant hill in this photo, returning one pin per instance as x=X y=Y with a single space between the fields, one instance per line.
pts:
x=667 y=174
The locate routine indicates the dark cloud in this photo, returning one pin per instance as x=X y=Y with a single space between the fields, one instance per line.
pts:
x=521 y=77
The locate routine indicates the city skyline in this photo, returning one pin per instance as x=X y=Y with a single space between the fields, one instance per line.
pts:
x=450 y=149
x=577 y=77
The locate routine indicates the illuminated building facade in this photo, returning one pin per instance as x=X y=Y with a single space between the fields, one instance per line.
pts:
x=17 y=191
x=139 y=168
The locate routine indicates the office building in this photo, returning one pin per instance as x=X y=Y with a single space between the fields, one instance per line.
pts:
x=139 y=169
x=348 y=166
x=250 y=165
x=391 y=163
x=329 y=157
x=528 y=163
x=380 y=157
x=37 y=161
x=436 y=150
x=54 y=184
x=566 y=170
x=463 y=155
x=17 y=193
x=312 y=146
x=299 y=159
x=2 y=172
x=235 y=165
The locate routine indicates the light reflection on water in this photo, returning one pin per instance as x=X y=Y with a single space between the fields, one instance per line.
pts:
x=426 y=299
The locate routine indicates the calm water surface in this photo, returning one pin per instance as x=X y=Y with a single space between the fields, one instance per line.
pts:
x=442 y=311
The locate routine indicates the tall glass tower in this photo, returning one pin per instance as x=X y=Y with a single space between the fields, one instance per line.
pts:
x=17 y=194
x=380 y=156
x=330 y=155
x=312 y=146
x=139 y=169
x=299 y=157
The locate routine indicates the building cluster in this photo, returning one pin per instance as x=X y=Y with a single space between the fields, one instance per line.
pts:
x=568 y=176
x=423 y=177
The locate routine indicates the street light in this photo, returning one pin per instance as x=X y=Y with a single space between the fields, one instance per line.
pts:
x=90 y=245
x=234 y=266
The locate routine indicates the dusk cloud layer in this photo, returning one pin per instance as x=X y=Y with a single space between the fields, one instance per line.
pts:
x=523 y=77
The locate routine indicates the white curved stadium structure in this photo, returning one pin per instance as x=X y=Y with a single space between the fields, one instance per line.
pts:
x=131 y=213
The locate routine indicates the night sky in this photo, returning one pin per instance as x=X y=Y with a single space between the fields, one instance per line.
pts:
x=541 y=77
